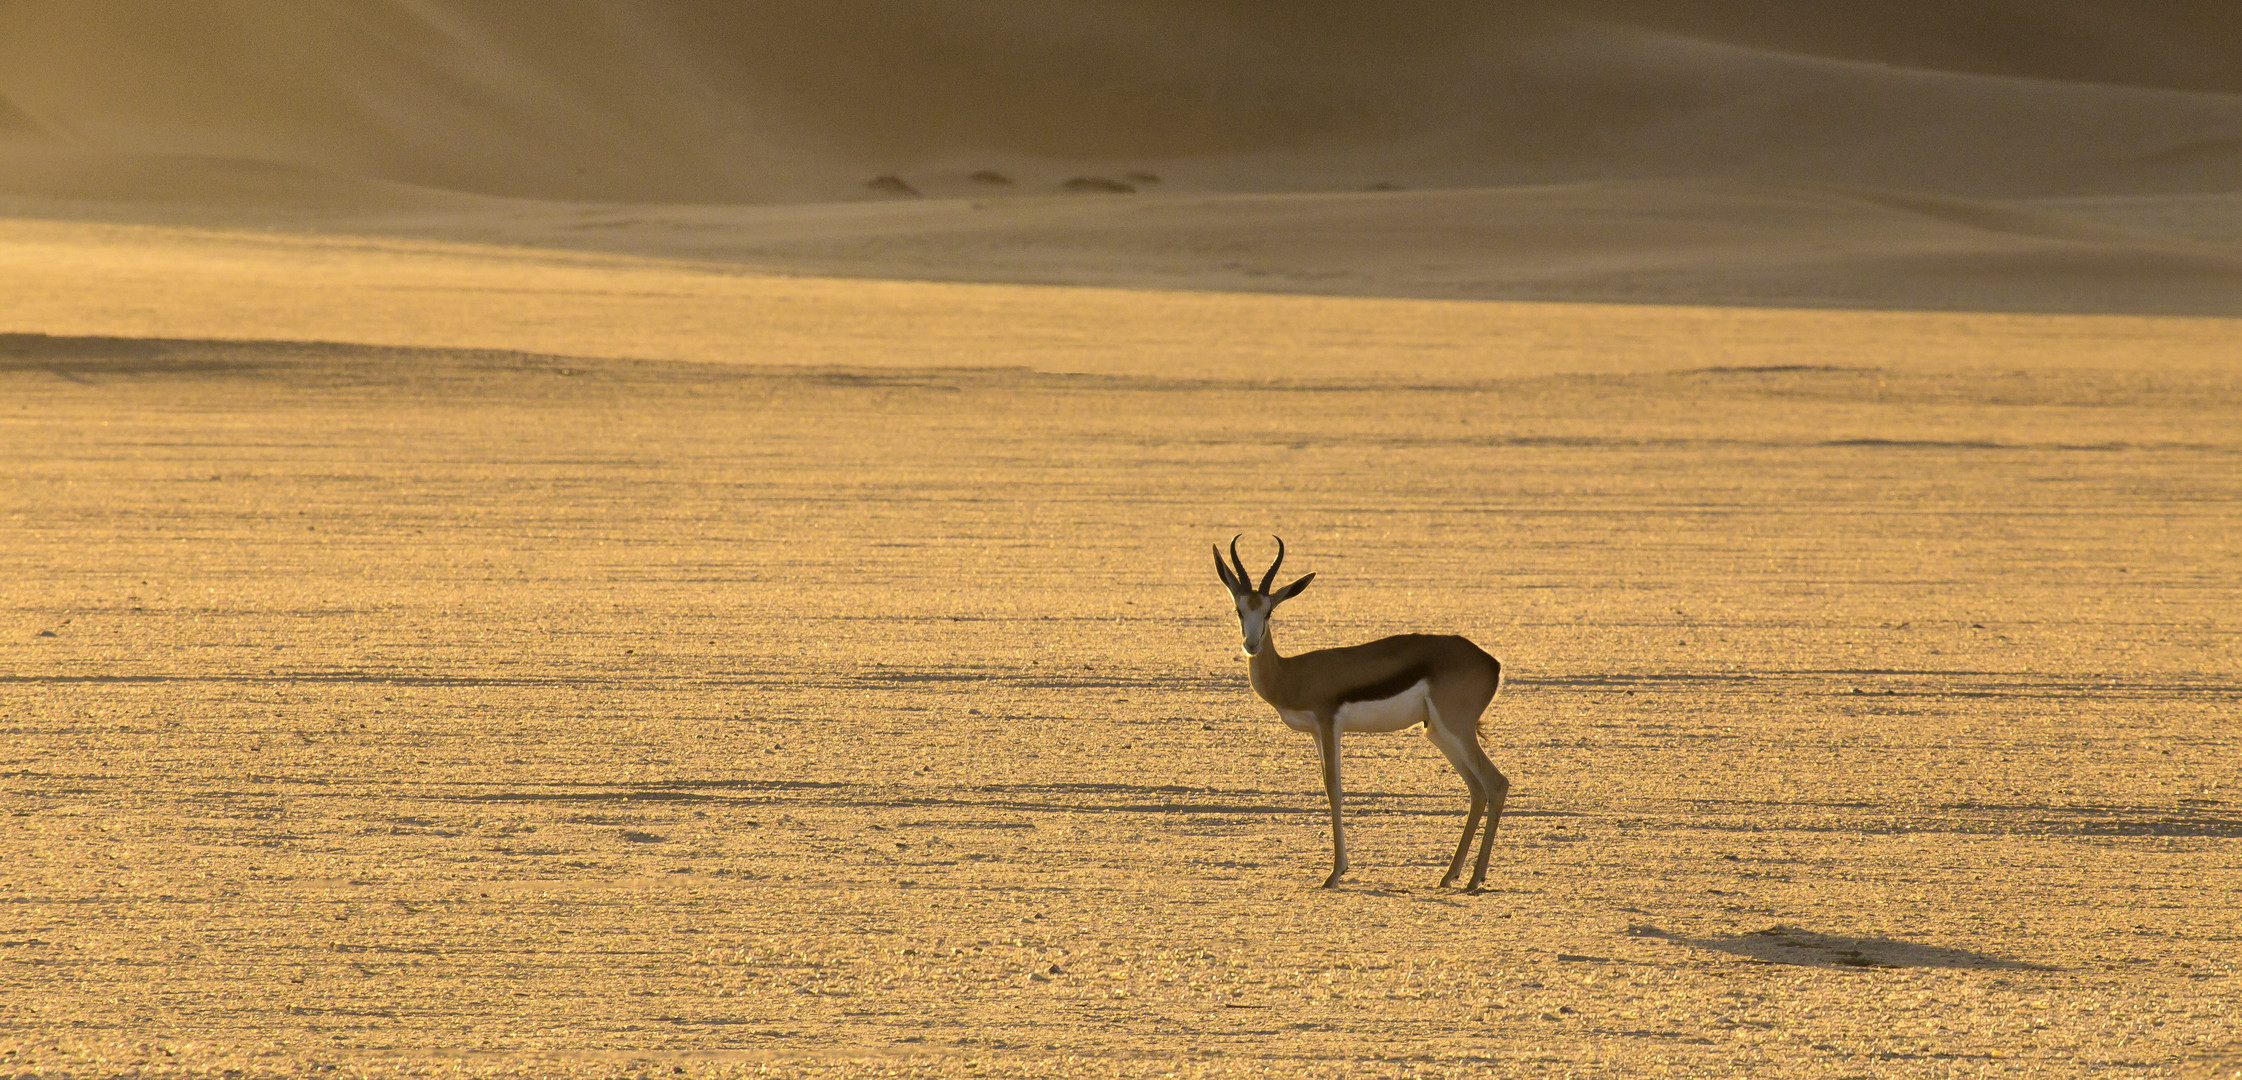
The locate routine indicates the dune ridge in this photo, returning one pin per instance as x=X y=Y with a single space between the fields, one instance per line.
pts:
x=2177 y=44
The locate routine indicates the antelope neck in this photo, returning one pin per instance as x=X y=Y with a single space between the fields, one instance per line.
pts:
x=1266 y=671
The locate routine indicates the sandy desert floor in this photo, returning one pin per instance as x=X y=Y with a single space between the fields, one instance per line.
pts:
x=871 y=708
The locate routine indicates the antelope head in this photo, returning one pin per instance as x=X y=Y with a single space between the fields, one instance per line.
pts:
x=1255 y=605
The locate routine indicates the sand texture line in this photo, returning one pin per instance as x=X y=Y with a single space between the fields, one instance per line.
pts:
x=83 y=279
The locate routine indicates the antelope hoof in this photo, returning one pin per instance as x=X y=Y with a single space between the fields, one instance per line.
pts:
x=1332 y=882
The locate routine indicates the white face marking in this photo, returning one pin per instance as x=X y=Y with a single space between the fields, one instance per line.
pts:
x=1253 y=620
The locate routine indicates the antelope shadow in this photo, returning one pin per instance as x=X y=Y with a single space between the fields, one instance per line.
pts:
x=1797 y=946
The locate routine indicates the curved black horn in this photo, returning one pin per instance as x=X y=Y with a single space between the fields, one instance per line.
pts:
x=1272 y=574
x=1243 y=577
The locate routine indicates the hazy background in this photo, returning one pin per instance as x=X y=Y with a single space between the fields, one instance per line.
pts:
x=707 y=100
x=1985 y=155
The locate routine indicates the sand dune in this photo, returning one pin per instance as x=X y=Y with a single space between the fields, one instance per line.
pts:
x=707 y=102
x=490 y=97
x=1687 y=241
x=1730 y=152
x=139 y=281
x=1666 y=241
x=2179 y=44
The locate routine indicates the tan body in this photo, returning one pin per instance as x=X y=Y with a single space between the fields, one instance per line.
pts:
x=1441 y=681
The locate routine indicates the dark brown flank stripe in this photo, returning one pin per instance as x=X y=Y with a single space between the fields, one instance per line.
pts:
x=1387 y=687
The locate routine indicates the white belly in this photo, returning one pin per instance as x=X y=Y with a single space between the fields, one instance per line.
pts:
x=1403 y=710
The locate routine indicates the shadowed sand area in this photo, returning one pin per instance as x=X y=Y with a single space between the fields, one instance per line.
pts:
x=517 y=561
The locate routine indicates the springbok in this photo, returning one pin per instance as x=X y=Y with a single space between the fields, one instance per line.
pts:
x=1439 y=680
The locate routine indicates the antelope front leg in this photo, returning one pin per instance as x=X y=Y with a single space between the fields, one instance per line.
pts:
x=1327 y=744
x=1457 y=756
x=1463 y=846
x=1495 y=795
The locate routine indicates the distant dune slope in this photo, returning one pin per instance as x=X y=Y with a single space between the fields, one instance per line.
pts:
x=711 y=100
x=2176 y=44
x=1669 y=241
x=563 y=98
x=13 y=123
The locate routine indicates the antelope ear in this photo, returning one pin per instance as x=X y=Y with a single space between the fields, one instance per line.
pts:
x=1223 y=569
x=1290 y=591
